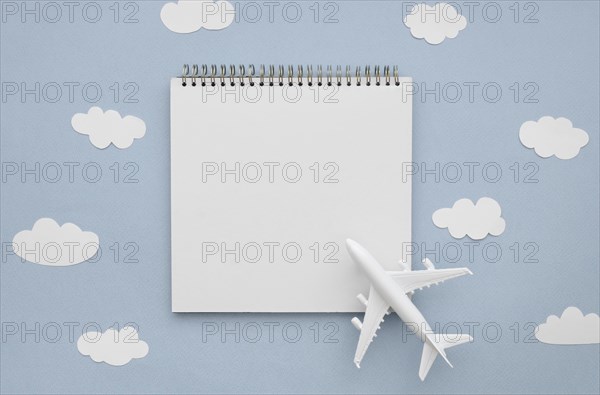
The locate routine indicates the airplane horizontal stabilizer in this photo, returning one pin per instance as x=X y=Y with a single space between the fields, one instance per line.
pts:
x=436 y=344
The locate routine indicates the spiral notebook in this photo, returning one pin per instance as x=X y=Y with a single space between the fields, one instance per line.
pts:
x=272 y=169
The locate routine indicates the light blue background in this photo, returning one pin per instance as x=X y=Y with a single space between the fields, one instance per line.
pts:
x=560 y=213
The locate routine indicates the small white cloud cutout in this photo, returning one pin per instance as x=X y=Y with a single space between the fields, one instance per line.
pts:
x=188 y=16
x=434 y=23
x=474 y=220
x=50 y=244
x=113 y=347
x=571 y=328
x=108 y=127
x=549 y=136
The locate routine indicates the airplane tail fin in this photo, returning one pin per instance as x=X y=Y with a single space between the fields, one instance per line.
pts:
x=435 y=345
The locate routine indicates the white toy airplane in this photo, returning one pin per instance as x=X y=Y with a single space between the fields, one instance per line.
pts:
x=390 y=288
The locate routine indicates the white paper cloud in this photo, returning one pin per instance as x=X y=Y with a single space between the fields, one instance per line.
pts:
x=48 y=243
x=549 y=136
x=434 y=23
x=188 y=16
x=475 y=220
x=113 y=347
x=108 y=127
x=571 y=328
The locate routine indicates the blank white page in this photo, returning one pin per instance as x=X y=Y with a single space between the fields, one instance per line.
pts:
x=267 y=183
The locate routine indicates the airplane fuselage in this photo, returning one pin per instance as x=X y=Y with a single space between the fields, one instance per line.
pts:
x=392 y=292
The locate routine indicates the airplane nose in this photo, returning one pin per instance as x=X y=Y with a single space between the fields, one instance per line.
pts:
x=351 y=247
x=354 y=249
x=350 y=244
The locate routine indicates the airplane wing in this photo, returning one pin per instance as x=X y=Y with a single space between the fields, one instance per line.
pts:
x=377 y=308
x=410 y=281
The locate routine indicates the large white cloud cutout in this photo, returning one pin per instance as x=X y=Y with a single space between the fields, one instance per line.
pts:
x=188 y=16
x=549 y=136
x=434 y=23
x=475 y=220
x=108 y=127
x=571 y=328
x=113 y=347
x=50 y=244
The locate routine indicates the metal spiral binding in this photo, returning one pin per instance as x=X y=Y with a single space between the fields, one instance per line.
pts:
x=209 y=75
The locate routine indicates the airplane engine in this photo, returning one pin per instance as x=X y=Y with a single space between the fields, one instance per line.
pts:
x=361 y=298
x=428 y=264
